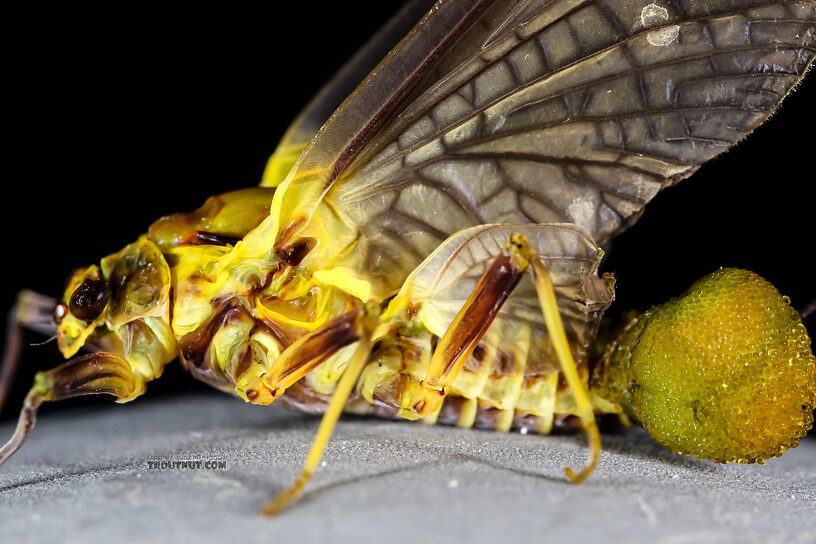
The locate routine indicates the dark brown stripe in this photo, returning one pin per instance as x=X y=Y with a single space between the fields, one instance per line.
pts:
x=437 y=34
x=323 y=343
x=490 y=294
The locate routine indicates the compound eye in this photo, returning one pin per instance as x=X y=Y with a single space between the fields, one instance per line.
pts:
x=89 y=299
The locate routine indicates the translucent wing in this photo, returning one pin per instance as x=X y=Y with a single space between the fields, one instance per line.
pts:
x=564 y=110
x=321 y=106
x=442 y=283
x=363 y=114
x=517 y=344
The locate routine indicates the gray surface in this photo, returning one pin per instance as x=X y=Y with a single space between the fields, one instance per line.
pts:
x=83 y=475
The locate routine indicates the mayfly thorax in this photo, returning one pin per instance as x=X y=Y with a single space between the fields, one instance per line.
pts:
x=432 y=252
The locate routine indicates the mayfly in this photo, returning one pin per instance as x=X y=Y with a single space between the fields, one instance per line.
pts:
x=432 y=251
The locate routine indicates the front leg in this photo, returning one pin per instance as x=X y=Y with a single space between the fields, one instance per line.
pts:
x=95 y=373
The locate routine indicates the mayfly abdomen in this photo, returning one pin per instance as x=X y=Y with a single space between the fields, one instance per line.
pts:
x=468 y=413
x=498 y=389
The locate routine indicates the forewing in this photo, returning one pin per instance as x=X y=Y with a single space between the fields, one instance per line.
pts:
x=380 y=95
x=568 y=111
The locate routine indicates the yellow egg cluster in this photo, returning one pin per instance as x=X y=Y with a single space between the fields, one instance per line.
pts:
x=724 y=372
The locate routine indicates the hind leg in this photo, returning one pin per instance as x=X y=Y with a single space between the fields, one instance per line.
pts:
x=552 y=318
x=468 y=327
x=473 y=320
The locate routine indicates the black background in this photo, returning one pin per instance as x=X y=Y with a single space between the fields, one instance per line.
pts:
x=115 y=119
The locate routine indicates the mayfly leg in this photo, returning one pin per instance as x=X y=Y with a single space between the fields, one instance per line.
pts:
x=94 y=373
x=32 y=311
x=308 y=352
x=90 y=374
x=11 y=355
x=558 y=337
x=338 y=401
x=468 y=328
x=472 y=321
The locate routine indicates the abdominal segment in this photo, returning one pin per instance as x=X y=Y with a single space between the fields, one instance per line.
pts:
x=511 y=381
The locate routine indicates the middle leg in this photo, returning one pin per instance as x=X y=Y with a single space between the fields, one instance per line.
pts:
x=327 y=424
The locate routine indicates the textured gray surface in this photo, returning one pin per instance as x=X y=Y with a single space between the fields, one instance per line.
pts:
x=84 y=476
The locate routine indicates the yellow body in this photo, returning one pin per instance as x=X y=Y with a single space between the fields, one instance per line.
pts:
x=272 y=304
x=724 y=372
x=232 y=319
x=372 y=267
x=481 y=123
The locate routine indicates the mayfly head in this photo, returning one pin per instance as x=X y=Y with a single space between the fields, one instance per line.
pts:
x=121 y=306
x=724 y=372
x=120 y=311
